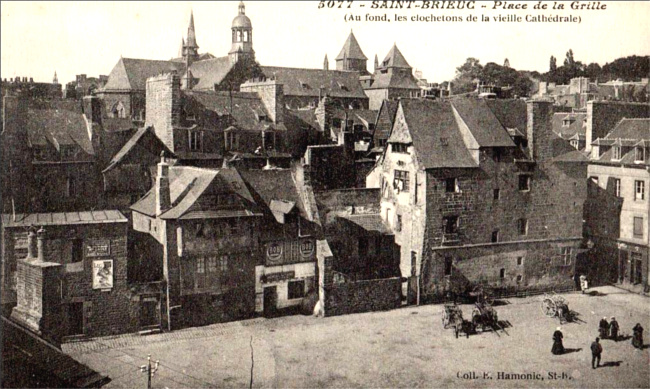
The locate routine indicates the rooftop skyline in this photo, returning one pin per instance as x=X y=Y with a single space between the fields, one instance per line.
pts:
x=39 y=38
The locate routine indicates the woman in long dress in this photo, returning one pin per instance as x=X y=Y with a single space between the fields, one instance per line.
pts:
x=637 y=338
x=558 y=347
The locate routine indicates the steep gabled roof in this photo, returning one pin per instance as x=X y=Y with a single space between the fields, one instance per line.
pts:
x=435 y=134
x=351 y=49
x=395 y=59
x=482 y=123
x=137 y=138
x=511 y=113
x=132 y=74
x=188 y=184
x=210 y=72
x=385 y=119
x=308 y=82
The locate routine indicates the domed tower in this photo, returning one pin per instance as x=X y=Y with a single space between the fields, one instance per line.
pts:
x=242 y=36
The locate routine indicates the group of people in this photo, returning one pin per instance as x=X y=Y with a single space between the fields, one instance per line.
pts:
x=607 y=331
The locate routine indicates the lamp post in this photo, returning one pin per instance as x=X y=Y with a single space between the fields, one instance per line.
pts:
x=150 y=370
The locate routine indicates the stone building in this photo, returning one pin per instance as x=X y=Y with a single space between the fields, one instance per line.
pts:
x=471 y=202
x=26 y=87
x=618 y=217
x=69 y=279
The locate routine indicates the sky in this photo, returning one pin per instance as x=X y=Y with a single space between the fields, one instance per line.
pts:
x=39 y=38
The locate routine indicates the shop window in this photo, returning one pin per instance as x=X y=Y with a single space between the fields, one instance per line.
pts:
x=296 y=289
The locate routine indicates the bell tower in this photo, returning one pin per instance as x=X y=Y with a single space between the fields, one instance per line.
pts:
x=242 y=36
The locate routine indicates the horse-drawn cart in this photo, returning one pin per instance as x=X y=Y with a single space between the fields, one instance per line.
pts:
x=452 y=316
x=485 y=316
x=554 y=305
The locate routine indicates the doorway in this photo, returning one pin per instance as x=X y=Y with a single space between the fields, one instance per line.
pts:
x=149 y=312
x=76 y=319
x=636 y=275
x=270 y=300
x=622 y=265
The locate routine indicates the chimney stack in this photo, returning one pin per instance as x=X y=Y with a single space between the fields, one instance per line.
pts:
x=41 y=244
x=163 y=196
x=539 y=130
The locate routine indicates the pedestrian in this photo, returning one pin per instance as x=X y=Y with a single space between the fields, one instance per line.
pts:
x=637 y=337
x=613 y=329
x=596 y=351
x=583 y=283
x=558 y=347
x=603 y=328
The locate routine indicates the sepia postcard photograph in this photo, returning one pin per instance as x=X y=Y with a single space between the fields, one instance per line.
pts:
x=325 y=194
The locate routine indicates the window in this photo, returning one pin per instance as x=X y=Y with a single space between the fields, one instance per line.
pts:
x=448 y=265
x=638 y=227
x=450 y=224
x=196 y=140
x=639 y=190
x=617 y=187
x=398 y=225
x=520 y=278
x=232 y=141
x=616 y=153
x=496 y=194
x=400 y=148
x=68 y=151
x=401 y=180
x=522 y=226
x=245 y=36
x=502 y=273
x=520 y=261
x=212 y=264
x=451 y=185
x=495 y=236
x=238 y=36
x=524 y=183
x=200 y=265
x=565 y=256
x=77 y=250
x=223 y=263
x=296 y=289
x=639 y=154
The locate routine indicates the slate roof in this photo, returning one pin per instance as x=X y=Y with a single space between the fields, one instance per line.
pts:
x=188 y=184
x=435 y=134
x=511 y=113
x=132 y=143
x=63 y=218
x=385 y=119
x=246 y=108
x=400 y=79
x=394 y=58
x=351 y=49
x=577 y=126
x=132 y=73
x=339 y=84
x=274 y=185
x=635 y=129
x=58 y=127
x=572 y=157
x=373 y=223
x=210 y=72
x=482 y=123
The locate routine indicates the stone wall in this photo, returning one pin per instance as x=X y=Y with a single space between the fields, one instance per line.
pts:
x=163 y=106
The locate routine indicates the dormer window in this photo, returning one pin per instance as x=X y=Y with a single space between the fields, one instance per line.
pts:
x=343 y=87
x=616 y=153
x=639 y=154
x=196 y=140
x=304 y=85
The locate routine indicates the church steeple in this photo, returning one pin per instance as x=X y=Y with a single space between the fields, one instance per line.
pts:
x=56 y=79
x=326 y=63
x=242 y=36
x=376 y=62
x=351 y=57
x=190 y=47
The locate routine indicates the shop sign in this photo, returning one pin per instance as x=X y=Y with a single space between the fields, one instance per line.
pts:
x=99 y=249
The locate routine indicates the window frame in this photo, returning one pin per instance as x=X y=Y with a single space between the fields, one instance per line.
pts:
x=528 y=182
x=639 y=190
x=402 y=176
x=637 y=151
x=399 y=148
x=456 y=185
x=617 y=187
x=445 y=224
x=195 y=140
x=565 y=255
x=616 y=153
x=637 y=221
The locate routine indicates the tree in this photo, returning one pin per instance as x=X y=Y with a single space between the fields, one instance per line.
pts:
x=467 y=75
x=553 y=65
x=569 y=61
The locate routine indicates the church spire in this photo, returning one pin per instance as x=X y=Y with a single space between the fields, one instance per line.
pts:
x=376 y=62
x=326 y=63
x=56 y=79
x=351 y=56
x=190 y=47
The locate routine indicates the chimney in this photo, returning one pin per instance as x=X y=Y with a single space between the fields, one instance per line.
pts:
x=163 y=106
x=41 y=244
x=539 y=130
x=271 y=92
x=92 y=109
x=163 y=196
x=31 y=244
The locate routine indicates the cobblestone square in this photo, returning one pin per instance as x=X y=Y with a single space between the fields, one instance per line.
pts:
x=400 y=348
